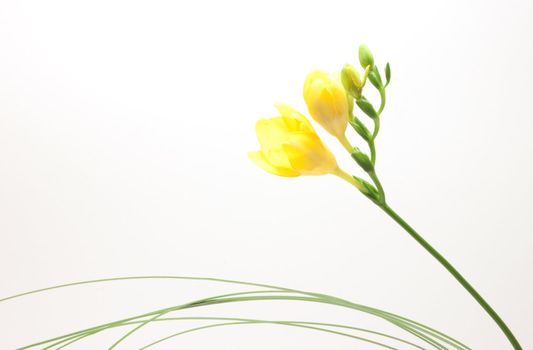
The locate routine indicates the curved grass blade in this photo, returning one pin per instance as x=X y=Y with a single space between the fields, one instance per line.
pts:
x=315 y=297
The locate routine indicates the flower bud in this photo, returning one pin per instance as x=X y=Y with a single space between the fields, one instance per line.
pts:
x=363 y=160
x=327 y=101
x=361 y=129
x=365 y=56
x=368 y=190
x=351 y=81
x=290 y=146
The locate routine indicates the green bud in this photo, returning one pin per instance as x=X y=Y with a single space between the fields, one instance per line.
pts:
x=367 y=107
x=375 y=78
x=360 y=128
x=363 y=160
x=365 y=56
x=367 y=189
x=387 y=73
x=351 y=81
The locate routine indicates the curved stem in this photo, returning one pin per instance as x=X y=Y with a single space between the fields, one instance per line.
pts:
x=376 y=128
x=383 y=97
x=492 y=313
x=372 y=141
x=372 y=147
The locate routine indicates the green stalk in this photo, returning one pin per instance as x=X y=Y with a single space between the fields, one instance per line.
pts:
x=383 y=97
x=372 y=141
x=383 y=205
x=448 y=266
x=381 y=191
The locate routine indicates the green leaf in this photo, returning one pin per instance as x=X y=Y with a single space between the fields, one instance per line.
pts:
x=375 y=78
x=360 y=128
x=367 y=108
x=387 y=73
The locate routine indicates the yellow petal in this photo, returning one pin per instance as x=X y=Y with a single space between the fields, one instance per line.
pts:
x=327 y=102
x=259 y=159
x=314 y=76
x=308 y=155
x=288 y=111
x=271 y=132
x=278 y=157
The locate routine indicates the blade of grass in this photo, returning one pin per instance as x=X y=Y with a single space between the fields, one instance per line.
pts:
x=324 y=298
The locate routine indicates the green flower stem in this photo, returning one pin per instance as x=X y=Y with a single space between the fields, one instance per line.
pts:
x=376 y=181
x=492 y=313
x=365 y=76
x=376 y=128
x=383 y=205
x=372 y=141
x=383 y=97
x=512 y=339
x=372 y=145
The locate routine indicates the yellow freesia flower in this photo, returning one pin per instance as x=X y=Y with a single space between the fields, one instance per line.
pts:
x=291 y=147
x=327 y=101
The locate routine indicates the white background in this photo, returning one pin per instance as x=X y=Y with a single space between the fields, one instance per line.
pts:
x=124 y=127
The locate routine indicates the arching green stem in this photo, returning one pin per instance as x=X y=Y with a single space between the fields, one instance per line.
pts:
x=452 y=270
